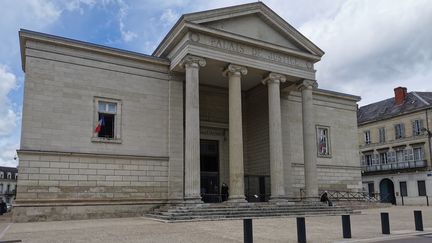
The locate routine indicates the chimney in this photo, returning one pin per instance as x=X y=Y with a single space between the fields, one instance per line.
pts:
x=400 y=95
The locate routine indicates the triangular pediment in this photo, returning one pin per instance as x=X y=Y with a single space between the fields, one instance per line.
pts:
x=253 y=26
x=254 y=21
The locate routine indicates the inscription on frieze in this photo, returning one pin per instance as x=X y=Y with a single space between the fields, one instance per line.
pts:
x=250 y=51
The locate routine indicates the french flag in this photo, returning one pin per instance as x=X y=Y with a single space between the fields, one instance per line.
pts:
x=100 y=124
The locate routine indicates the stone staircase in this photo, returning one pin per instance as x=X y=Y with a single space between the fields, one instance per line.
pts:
x=223 y=211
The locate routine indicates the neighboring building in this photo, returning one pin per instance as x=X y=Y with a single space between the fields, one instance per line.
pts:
x=8 y=183
x=395 y=147
x=228 y=96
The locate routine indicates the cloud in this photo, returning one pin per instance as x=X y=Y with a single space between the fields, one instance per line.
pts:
x=126 y=35
x=8 y=117
x=371 y=44
x=169 y=17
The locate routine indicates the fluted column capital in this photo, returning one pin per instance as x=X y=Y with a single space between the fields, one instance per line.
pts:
x=233 y=69
x=274 y=78
x=192 y=61
x=307 y=84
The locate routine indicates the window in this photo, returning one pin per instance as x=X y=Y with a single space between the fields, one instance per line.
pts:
x=323 y=141
x=417 y=126
x=367 y=137
x=9 y=175
x=16 y=176
x=421 y=188
x=8 y=188
x=107 y=120
x=381 y=132
x=371 y=189
x=399 y=131
x=418 y=153
x=383 y=158
x=400 y=157
x=368 y=159
x=1 y=175
x=403 y=189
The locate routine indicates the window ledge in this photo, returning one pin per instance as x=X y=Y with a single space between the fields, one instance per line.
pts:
x=105 y=140
x=325 y=156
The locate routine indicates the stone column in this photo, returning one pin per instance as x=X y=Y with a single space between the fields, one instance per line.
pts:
x=273 y=81
x=192 y=128
x=309 y=144
x=236 y=169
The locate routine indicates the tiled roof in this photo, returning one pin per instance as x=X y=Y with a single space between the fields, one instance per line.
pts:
x=387 y=108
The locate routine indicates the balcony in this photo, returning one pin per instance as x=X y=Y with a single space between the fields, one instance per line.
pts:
x=395 y=166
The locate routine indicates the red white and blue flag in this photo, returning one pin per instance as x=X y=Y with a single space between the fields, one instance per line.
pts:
x=100 y=124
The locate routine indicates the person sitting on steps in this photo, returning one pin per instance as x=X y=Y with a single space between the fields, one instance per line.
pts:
x=324 y=198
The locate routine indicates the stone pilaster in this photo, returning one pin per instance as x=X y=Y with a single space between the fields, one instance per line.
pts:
x=236 y=168
x=309 y=148
x=192 y=132
x=273 y=81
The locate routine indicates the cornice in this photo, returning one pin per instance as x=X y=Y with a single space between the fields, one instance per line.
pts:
x=26 y=35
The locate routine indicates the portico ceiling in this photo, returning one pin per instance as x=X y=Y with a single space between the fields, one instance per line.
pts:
x=212 y=75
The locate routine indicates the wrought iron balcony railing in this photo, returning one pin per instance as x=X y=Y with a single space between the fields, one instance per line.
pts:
x=395 y=166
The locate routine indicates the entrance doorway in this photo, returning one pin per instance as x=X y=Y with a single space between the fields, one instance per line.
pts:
x=387 y=191
x=209 y=164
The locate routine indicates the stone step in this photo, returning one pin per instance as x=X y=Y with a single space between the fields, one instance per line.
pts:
x=248 y=210
x=238 y=211
x=240 y=216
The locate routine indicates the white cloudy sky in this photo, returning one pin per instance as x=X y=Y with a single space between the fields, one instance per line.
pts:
x=371 y=46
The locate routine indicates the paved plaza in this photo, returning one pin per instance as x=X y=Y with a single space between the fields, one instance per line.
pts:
x=365 y=228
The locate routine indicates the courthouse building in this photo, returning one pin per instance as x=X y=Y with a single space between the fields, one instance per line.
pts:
x=229 y=96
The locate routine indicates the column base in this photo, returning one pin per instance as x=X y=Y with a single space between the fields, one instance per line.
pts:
x=237 y=199
x=192 y=200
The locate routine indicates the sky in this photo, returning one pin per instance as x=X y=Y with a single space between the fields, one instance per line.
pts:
x=371 y=46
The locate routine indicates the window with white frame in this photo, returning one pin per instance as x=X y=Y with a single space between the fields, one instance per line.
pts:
x=107 y=120
x=9 y=175
x=418 y=153
x=381 y=132
x=1 y=175
x=400 y=157
x=368 y=159
x=383 y=158
x=323 y=141
x=367 y=137
x=417 y=126
x=399 y=131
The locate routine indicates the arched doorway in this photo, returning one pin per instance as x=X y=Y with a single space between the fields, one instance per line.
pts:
x=387 y=191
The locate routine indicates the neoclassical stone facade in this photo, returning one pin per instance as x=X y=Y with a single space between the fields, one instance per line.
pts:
x=229 y=96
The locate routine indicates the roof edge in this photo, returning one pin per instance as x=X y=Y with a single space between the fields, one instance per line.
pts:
x=25 y=35
x=336 y=94
x=390 y=117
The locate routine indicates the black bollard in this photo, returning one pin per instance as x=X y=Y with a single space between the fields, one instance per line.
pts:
x=346 y=226
x=247 y=231
x=385 y=223
x=418 y=220
x=301 y=230
x=427 y=201
x=402 y=200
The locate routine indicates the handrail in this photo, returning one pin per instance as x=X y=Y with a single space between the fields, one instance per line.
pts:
x=349 y=196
